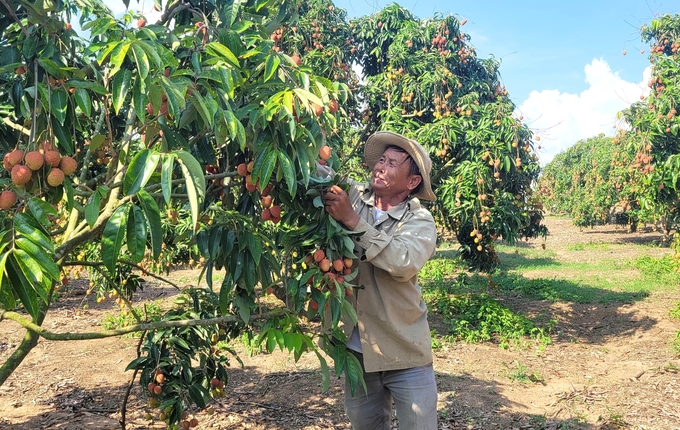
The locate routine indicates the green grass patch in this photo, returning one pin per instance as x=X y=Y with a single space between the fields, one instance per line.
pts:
x=603 y=279
x=479 y=317
x=124 y=318
x=518 y=372
x=675 y=312
x=590 y=246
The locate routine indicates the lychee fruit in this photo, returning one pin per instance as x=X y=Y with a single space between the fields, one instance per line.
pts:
x=14 y=158
x=34 y=160
x=266 y=215
x=276 y=211
x=325 y=152
x=52 y=158
x=242 y=169
x=68 y=165
x=21 y=175
x=325 y=265
x=7 y=199
x=338 y=265
x=266 y=202
x=249 y=184
x=55 y=177
x=319 y=255
x=318 y=110
x=47 y=146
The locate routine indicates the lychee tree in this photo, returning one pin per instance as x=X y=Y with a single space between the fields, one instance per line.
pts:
x=205 y=115
x=655 y=123
x=424 y=80
x=206 y=128
x=596 y=181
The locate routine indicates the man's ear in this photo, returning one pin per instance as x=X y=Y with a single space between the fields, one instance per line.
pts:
x=414 y=182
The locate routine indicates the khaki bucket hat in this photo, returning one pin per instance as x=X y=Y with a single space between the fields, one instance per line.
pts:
x=375 y=147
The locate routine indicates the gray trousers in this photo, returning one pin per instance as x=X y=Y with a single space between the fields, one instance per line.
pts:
x=414 y=392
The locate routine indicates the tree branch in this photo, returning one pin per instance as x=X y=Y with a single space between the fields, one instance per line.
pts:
x=36 y=329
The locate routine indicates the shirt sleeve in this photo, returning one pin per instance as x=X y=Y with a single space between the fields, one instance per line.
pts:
x=406 y=251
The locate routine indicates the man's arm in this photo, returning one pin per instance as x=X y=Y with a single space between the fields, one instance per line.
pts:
x=401 y=254
x=406 y=251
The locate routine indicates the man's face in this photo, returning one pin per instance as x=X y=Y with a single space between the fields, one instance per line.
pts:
x=391 y=174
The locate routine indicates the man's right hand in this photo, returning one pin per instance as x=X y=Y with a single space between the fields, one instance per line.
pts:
x=338 y=206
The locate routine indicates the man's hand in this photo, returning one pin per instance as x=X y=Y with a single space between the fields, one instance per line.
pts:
x=339 y=207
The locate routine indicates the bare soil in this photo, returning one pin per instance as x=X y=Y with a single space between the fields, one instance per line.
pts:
x=609 y=366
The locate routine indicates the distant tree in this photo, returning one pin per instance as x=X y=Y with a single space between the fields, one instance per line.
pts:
x=595 y=182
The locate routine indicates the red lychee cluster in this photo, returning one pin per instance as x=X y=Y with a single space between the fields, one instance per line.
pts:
x=336 y=269
x=27 y=169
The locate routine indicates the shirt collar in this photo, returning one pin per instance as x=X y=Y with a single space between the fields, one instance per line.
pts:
x=397 y=212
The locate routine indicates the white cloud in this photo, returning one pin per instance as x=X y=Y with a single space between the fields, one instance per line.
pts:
x=562 y=119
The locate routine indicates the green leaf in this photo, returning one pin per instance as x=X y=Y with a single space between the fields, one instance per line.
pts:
x=120 y=87
x=51 y=68
x=30 y=228
x=325 y=373
x=151 y=53
x=265 y=162
x=64 y=136
x=83 y=101
x=303 y=161
x=166 y=176
x=225 y=290
x=271 y=66
x=40 y=255
x=216 y=49
x=136 y=233
x=288 y=172
x=40 y=210
x=6 y=293
x=243 y=308
x=59 y=101
x=195 y=182
x=140 y=170
x=68 y=189
x=153 y=217
x=30 y=45
x=141 y=60
x=354 y=374
x=306 y=97
x=21 y=286
x=112 y=238
x=86 y=85
x=118 y=56
x=92 y=209
x=175 y=96
x=32 y=272
x=139 y=99
x=236 y=129
x=199 y=103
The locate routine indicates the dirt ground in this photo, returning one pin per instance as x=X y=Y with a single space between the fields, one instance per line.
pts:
x=609 y=366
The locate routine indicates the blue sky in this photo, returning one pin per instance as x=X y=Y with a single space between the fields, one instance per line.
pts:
x=562 y=61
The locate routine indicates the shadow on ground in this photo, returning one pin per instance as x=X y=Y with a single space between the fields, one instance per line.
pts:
x=257 y=400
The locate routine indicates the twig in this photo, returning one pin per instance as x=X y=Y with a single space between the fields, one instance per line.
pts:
x=123 y=407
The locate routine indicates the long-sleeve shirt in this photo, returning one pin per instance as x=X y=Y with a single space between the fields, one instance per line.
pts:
x=392 y=317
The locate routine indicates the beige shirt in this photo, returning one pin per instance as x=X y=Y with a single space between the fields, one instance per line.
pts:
x=392 y=317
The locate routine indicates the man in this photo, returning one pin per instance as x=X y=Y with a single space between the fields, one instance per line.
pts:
x=392 y=337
